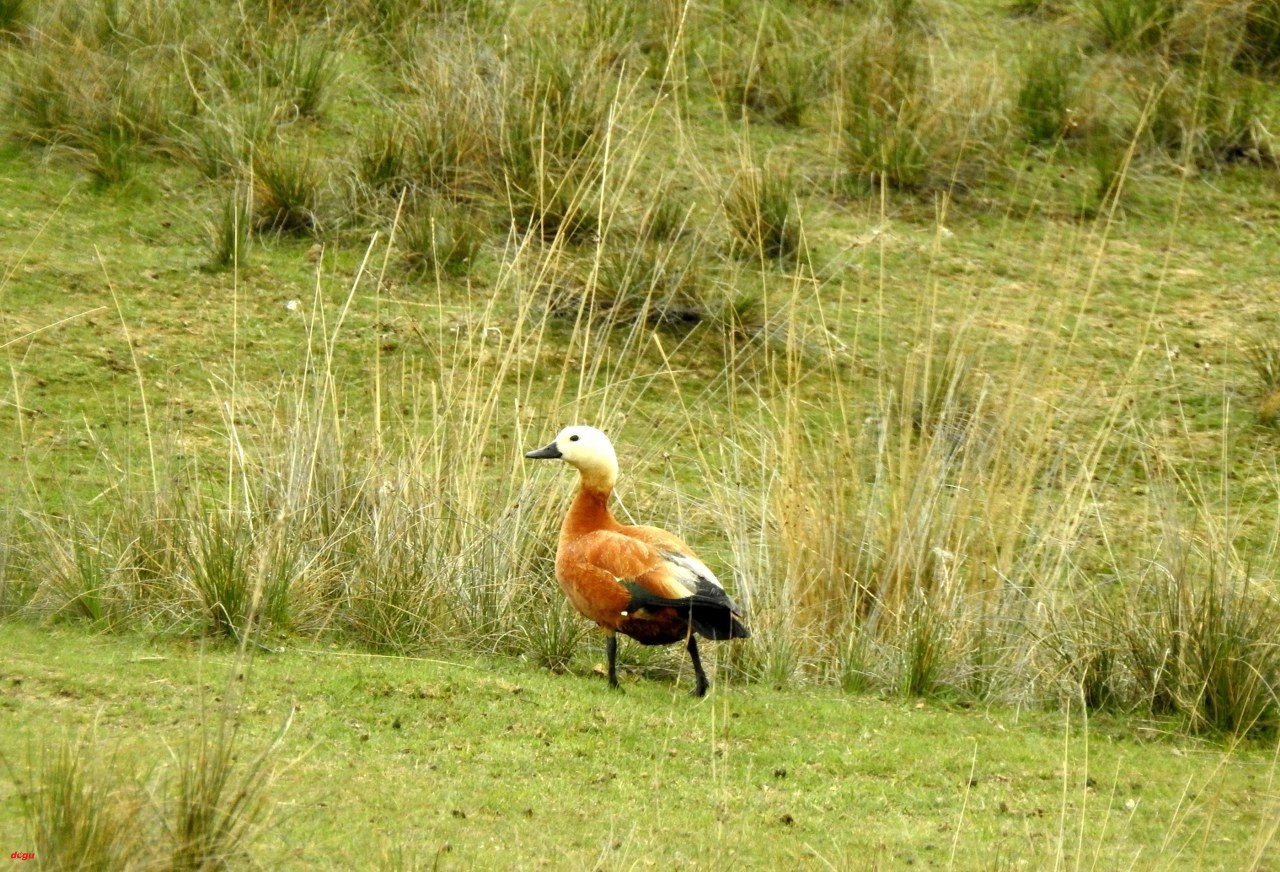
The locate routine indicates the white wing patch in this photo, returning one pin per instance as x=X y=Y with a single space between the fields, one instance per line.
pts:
x=690 y=570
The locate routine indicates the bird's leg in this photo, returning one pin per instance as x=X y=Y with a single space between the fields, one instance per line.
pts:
x=701 y=685
x=611 y=651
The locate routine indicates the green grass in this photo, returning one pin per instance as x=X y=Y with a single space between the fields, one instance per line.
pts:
x=497 y=762
x=949 y=354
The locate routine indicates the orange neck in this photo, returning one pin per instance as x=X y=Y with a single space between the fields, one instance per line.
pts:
x=589 y=512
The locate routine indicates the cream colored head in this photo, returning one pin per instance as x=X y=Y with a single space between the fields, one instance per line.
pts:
x=586 y=449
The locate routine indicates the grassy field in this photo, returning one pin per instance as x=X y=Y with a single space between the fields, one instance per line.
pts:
x=392 y=762
x=945 y=332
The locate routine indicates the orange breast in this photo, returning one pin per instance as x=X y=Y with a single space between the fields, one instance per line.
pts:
x=596 y=554
x=591 y=569
x=595 y=592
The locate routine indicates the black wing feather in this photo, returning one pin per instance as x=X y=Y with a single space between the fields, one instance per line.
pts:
x=709 y=608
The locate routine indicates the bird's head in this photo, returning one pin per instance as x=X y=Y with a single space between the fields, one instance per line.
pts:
x=587 y=450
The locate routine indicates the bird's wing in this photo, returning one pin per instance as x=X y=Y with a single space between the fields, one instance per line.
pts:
x=689 y=570
x=684 y=563
x=665 y=574
x=612 y=574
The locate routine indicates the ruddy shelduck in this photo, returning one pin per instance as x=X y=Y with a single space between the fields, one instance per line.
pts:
x=643 y=582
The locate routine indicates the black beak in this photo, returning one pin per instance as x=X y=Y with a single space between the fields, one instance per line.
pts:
x=547 y=452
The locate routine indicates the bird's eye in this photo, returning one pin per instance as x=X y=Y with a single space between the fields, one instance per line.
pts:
x=573 y=438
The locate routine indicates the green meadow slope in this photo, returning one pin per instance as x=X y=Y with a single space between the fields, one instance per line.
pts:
x=393 y=762
x=944 y=331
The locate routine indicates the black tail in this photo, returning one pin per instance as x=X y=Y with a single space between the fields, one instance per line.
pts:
x=718 y=624
x=710 y=610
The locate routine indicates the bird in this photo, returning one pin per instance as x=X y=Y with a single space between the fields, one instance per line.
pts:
x=643 y=582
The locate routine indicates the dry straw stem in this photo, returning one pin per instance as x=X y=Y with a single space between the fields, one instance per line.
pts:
x=137 y=372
